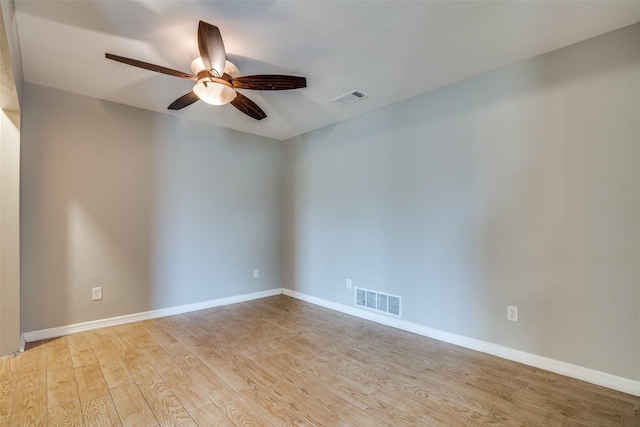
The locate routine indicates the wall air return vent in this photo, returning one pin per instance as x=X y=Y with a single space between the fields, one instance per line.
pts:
x=378 y=301
x=351 y=97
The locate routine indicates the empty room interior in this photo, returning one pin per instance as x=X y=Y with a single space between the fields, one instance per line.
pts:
x=382 y=213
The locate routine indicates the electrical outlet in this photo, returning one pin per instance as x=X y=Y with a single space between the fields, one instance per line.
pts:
x=256 y=274
x=512 y=313
x=96 y=293
x=348 y=283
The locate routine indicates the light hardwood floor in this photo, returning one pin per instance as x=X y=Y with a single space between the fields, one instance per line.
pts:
x=282 y=362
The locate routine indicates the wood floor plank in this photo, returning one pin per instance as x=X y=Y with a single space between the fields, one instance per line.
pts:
x=40 y=422
x=304 y=347
x=139 y=367
x=57 y=350
x=272 y=409
x=374 y=360
x=81 y=351
x=359 y=417
x=280 y=362
x=570 y=389
x=509 y=419
x=304 y=406
x=410 y=364
x=392 y=415
x=482 y=360
x=30 y=400
x=211 y=415
x=33 y=363
x=164 y=405
x=101 y=344
x=486 y=378
x=100 y=412
x=271 y=362
x=495 y=394
x=346 y=373
x=8 y=372
x=309 y=387
x=413 y=408
x=242 y=414
x=159 y=335
x=90 y=382
x=431 y=410
x=275 y=354
x=233 y=378
x=129 y=337
x=183 y=357
x=201 y=351
x=350 y=387
x=185 y=389
x=421 y=387
x=251 y=371
x=210 y=383
x=216 y=343
x=159 y=359
x=66 y=415
x=132 y=407
x=546 y=417
x=575 y=406
x=369 y=372
x=114 y=370
x=61 y=384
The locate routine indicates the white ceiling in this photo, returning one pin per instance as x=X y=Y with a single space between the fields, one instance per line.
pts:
x=391 y=50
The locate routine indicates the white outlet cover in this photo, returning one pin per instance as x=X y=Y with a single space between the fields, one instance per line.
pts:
x=512 y=313
x=256 y=274
x=96 y=293
x=349 y=285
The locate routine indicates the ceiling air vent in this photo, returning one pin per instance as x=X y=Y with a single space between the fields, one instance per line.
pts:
x=378 y=301
x=350 y=98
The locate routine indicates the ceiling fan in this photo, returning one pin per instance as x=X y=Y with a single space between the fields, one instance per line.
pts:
x=216 y=78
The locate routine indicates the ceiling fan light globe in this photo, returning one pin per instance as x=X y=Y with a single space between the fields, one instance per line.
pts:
x=197 y=66
x=214 y=91
x=231 y=69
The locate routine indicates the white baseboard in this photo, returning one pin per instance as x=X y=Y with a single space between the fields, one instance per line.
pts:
x=614 y=382
x=136 y=317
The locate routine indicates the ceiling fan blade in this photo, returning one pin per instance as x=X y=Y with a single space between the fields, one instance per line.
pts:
x=152 y=67
x=269 y=82
x=184 y=101
x=248 y=107
x=211 y=48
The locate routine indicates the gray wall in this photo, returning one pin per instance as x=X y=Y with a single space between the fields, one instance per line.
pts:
x=157 y=210
x=517 y=187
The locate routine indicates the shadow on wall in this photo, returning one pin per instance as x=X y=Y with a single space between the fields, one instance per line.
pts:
x=87 y=197
x=157 y=210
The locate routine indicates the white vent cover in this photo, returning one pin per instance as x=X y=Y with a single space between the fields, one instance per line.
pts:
x=351 y=97
x=378 y=301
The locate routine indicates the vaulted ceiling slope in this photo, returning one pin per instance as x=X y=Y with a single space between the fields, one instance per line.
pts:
x=390 y=50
